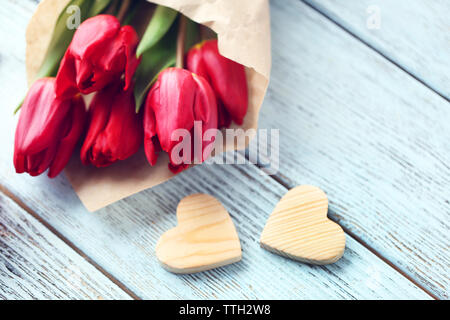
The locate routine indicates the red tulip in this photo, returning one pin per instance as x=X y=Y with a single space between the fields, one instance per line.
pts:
x=48 y=130
x=100 y=52
x=227 y=78
x=177 y=99
x=114 y=129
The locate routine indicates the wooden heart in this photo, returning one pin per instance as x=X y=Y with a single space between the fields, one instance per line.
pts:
x=299 y=228
x=205 y=237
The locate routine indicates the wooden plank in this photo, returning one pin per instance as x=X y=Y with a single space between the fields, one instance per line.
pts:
x=35 y=264
x=376 y=140
x=413 y=34
x=122 y=237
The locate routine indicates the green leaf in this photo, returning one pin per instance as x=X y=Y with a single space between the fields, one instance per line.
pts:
x=62 y=36
x=159 y=25
x=19 y=106
x=60 y=41
x=160 y=57
x=140 y=91
x=98 y=7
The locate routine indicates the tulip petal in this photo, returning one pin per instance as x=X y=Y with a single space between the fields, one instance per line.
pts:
x=175 y=108
x=150 y=127
x=41 y=117
x=227 y=78
x=85 y=76
x=175 y=102
x=78 y=71
x=99 y=112
x=123 y=133
x=223 y=115
x=100 y=53
x=115 y=130
x=75 y=124
x=205 y=109
x=130 y=43
x=19 y=162
x=38 y=163
x=150 y=151
x=65 y=84
x=93 y=36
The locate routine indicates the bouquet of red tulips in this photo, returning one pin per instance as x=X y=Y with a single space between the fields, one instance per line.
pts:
x=129 y=76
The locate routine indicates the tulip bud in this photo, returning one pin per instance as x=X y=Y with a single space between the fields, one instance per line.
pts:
x=114 y=129
x=48 y=130
x=177 y=99
x=100 y=52
x=227 y=78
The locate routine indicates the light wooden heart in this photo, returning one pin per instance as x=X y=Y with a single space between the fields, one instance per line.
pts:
x=205 y=237
x=299 y=228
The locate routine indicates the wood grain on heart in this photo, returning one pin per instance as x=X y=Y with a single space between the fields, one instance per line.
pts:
x=299 y=228
x=205 y=237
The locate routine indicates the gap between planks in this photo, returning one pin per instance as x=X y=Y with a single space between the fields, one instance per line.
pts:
x=27 y=209
x=354 y=35
x=331 y=216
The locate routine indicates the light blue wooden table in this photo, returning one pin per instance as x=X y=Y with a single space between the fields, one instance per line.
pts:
x=364 y=113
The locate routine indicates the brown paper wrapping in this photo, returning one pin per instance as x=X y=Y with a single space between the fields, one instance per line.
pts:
x=243 y=29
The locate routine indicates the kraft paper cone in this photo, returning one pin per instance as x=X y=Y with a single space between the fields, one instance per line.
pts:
x=243 y=29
